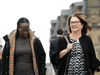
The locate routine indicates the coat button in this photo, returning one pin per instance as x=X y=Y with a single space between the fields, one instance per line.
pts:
x=6 y=56
x=5 y=72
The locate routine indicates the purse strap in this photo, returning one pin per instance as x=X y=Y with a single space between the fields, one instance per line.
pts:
x=66 y=39
x=68 y=56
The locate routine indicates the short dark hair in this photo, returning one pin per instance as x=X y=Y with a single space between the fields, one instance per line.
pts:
x=59 y=31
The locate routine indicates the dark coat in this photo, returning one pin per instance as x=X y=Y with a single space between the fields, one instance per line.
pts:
x=0 y=65
x=88 y=50
x=53 y=47
x=39 y=52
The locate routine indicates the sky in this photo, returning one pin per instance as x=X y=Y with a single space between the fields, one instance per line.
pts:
x=38 y=12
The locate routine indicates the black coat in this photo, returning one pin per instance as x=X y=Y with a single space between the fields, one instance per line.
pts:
x=53 y=47
x=0 y=65
x=88 y=50
x=39 y=52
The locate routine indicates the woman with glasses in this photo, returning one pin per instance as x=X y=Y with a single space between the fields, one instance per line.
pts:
x=23 y=53
x=77 y=57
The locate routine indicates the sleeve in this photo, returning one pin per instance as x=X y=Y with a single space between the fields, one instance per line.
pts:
x=51 y=50
x=4 y=62
x=42 y=57
x=0 y=66
x=62 y=44
x=93 y=60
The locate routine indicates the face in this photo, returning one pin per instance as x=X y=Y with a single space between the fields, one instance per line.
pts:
x=24 y=29
x=75 y=25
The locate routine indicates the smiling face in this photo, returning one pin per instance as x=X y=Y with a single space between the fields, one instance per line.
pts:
x=24 y=29
x=75 y=25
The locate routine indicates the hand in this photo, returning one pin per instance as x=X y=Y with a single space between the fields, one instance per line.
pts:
x=69 y=47
x=63 y=52
x=95 y=72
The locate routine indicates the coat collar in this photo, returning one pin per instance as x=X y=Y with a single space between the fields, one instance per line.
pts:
x=12 y=39
x=6 y=38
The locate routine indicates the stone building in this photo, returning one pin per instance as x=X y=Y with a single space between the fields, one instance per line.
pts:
x=91 y=9
x=55 y=25
x=93 y=16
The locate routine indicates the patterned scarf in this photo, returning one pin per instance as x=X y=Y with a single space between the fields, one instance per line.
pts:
x=12 y=48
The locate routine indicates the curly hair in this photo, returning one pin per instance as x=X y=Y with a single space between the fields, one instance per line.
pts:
x=86 y=26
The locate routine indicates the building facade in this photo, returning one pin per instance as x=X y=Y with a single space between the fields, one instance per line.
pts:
x=93 y=16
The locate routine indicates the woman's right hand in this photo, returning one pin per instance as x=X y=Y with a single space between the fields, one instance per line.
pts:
x=63 y=52
x=69 y=47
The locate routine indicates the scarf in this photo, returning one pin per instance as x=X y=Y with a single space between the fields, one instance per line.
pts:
x=12 y=48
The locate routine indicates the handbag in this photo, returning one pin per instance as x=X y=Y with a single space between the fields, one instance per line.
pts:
x=68 y=56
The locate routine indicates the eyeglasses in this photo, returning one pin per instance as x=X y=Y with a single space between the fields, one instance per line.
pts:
x=74 y=22
x=24 y=30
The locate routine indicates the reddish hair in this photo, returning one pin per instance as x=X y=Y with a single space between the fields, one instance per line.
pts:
x=86 y=26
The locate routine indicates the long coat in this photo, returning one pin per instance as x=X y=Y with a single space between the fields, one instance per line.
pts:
x=0 y=66
x=39 y=52
x=88 y=50
x=53 y=47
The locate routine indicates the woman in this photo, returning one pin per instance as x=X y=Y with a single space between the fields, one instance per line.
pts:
x=82 y=59
x=23 y=53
